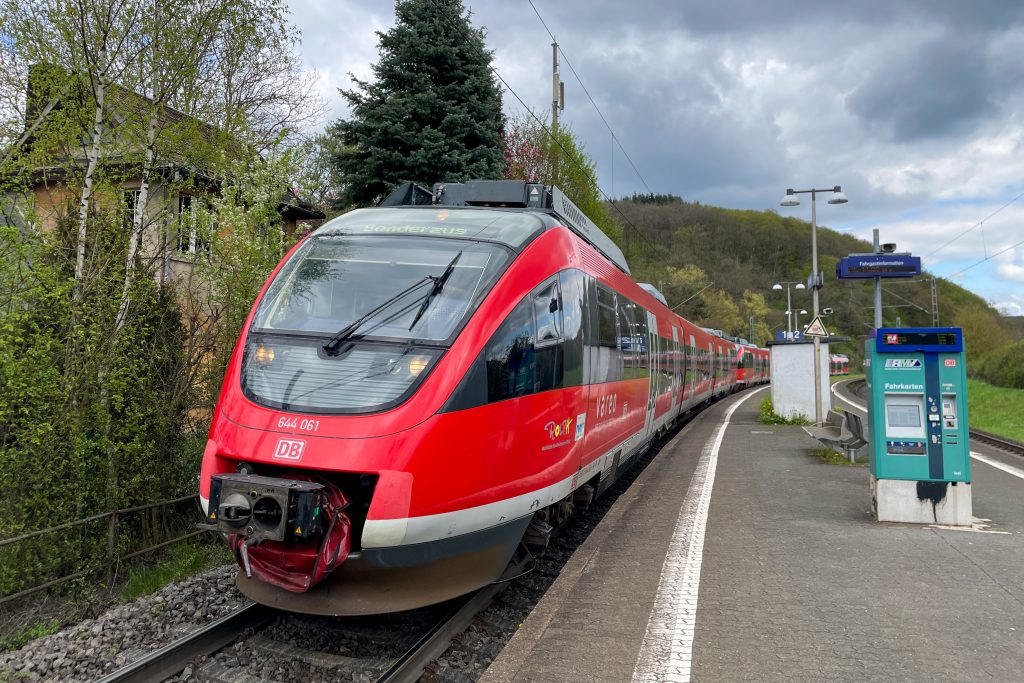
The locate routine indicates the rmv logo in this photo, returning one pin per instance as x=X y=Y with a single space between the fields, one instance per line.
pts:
x=289 y=449
x=902 y=363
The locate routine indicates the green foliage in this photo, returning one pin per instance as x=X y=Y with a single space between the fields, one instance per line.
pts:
x=433 y=113
x=830 y=456
x=182 y=560
x=535 y=152
x=1001 y=366
x=745 y=252
x=996 y=409
x=766 y=415
x=17 y=640
x=653 y=198
x=86 y=417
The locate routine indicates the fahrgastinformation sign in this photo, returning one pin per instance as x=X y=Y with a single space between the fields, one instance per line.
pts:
x=878 y=265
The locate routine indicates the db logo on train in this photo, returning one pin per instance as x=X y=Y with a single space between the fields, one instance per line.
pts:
x=289 y=449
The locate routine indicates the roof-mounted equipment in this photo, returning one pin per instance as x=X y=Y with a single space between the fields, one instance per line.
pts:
x=512 y=194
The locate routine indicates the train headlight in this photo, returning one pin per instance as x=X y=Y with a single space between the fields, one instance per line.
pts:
x=264 y=354
x=417 y=365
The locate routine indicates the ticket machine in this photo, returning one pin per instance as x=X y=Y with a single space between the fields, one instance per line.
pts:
x=917 y=412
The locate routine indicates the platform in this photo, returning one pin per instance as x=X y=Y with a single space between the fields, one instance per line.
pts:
x=756 y=561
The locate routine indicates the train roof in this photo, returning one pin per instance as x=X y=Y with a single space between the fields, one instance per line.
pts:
x=511 y=228
x=511 y=194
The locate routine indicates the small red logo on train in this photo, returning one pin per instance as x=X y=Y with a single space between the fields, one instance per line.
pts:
x=289 y=449
x=950 y=362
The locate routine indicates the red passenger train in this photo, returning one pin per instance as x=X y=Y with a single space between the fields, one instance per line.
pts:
x=425 y=386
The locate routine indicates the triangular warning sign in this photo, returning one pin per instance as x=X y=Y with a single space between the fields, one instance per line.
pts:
x=816 y=329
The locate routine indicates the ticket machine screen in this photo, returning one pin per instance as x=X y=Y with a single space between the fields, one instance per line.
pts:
x=904 y=424
x=903 y=415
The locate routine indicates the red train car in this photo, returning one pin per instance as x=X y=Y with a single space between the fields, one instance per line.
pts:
x=753 y=366
x=418 y=389
x=839 y=364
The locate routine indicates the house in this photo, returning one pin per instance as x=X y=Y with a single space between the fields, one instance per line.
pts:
x=179 y=181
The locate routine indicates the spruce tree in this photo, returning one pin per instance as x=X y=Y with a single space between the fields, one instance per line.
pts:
x=434 y=112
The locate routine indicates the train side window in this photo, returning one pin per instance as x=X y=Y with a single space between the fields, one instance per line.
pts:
x=547 y=310
x=573 y=284
x=640 y=334
x=606 y=363
x=510 y=355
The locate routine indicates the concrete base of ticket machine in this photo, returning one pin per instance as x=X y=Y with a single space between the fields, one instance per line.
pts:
x=922 y=502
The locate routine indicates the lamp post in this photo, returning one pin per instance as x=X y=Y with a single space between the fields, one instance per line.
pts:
x=791 y=200
x=802 y=311
x=789 y=303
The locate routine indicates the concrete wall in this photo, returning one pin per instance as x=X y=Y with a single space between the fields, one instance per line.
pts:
x=792 y=365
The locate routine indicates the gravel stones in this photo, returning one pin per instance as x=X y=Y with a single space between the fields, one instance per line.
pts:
x=96 y=647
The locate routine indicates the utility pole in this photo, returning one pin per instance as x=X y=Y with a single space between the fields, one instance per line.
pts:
x=557 y=103
x=878 y=284
x=935 y=303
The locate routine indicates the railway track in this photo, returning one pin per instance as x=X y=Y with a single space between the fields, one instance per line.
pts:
x=858 y=388
x=247 y=621
x=248 y=629
x=173 y=658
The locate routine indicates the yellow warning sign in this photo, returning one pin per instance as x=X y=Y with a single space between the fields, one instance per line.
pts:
x=816 y=328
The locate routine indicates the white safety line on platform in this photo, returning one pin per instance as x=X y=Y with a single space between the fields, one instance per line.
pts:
x=667 y=650
x=1009 y=469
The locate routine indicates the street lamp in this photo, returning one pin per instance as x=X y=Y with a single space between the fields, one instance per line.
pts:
x=802 y=311
x=790 y=199
x=789 y=303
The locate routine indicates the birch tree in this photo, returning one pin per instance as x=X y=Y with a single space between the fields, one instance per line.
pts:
x=175 y=43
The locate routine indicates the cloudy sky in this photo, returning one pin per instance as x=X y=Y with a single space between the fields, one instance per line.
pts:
x=915 y=107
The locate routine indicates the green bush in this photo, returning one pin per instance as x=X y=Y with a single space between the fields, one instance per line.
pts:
x=1003 y=367
x=766 y=415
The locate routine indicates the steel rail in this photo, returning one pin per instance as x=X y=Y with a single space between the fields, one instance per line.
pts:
x=174 y=657
x=1008 y=445
x=434 y=642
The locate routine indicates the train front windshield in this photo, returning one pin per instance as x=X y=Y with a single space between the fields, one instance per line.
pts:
x=351 y=322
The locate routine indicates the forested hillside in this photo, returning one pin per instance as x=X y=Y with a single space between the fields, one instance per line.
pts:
x=681 y=247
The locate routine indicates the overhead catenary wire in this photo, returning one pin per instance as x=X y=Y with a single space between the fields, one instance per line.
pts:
x=976 y=225
x=579 y=80
x=441 y=10
x=987 y=258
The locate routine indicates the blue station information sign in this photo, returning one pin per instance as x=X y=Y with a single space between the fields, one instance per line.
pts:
x=878 y=265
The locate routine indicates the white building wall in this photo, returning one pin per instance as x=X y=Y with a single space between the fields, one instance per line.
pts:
x=792 y=365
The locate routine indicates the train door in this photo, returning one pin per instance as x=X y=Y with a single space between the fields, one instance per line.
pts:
x=655 y=370
x=693 y=363
x=676 y=384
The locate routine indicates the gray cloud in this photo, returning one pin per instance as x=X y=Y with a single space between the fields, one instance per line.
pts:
x=912 y=106
x=938 y=88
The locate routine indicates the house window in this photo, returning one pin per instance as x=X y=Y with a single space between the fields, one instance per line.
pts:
x=191 y=237
x=131 y=200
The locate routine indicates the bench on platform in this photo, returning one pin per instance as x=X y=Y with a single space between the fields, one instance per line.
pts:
x=848 y=438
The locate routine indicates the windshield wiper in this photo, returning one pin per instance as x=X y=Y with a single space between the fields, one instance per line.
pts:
x=436 y=289
x=335 y=342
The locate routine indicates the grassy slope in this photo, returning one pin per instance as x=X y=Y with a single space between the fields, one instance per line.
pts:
x=996 y=410
x=751 y=250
